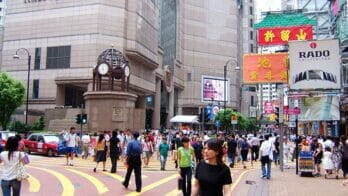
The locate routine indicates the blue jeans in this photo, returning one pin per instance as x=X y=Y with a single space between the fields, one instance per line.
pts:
x=266 y=172
x=231 y=157
x=163 y=160
x=6 y=186
x=186 y=175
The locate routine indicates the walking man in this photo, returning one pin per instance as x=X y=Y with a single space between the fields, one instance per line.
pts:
x=70 y=138
x=255 y=144
x=133 y=159
x=266 y=152
x=114 y=151
x=231 y=150
x=86 y=141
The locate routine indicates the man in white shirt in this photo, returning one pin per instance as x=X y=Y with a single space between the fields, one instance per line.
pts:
x=266 y=152
x=255 y=144
x=71 y=143
x=86 y=141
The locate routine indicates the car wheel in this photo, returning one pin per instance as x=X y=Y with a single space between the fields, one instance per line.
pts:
x=26 y=149
x=49 y=152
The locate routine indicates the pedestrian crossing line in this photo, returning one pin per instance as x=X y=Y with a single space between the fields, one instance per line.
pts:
x=101 y=188
x=115 y=176
x=68 y=187
x=153 y=185
x=238 y=179
x=34 y=184
x=174 y=192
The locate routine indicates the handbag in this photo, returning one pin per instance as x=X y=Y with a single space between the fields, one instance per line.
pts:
x=180 y=181
x=21 y=171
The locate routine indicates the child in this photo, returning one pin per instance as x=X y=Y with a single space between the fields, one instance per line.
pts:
x=328 y=164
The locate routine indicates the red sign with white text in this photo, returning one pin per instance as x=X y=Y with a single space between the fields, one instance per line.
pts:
x=268 y=107
x=281 y=35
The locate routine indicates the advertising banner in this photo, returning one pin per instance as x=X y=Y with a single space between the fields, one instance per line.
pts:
x=318 y=108
x=268 y=107
x=265 y=68
x=281 y=35
x=314 y=65
x=213 y=89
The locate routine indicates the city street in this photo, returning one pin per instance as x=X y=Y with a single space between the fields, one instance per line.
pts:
x=53 y=176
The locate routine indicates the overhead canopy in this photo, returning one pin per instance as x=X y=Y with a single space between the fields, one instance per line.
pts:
x=185 y=119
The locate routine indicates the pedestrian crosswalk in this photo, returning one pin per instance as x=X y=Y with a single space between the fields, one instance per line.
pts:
x=81 y=180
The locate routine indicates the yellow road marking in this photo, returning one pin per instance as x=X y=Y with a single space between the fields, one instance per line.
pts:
x=174 y=192
x=34 y=184
x=101 y=188
x=238 y=179
x=115 y=176
x=153 y=185
x=68 y=187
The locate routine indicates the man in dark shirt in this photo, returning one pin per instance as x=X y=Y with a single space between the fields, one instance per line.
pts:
x=114 y=150
x=134 y=162
x=231 y=150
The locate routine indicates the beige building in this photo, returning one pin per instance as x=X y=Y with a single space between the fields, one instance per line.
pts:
x=170 y=46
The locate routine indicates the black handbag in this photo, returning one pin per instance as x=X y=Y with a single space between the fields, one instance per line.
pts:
x=180 y=181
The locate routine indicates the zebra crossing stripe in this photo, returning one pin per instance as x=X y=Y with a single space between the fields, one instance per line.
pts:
x=101 y=188
x=68 y=187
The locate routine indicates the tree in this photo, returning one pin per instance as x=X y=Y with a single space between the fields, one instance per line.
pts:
x=11 y=97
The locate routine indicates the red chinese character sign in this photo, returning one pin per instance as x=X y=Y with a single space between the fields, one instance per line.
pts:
x=265 y=68
x=281 y=35
x=268 y=107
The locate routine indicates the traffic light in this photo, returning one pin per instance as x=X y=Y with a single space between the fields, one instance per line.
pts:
x=84 y=119
x=78 y=118
x=276 y=113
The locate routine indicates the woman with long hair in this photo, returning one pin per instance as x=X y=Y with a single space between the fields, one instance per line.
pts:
x=11 y=158
x=101 y=150
x=213 y=177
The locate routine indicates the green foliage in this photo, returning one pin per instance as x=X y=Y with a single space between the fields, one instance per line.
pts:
x=20 y=127
x=39 y=124
x=11 y=97
x=243 y=123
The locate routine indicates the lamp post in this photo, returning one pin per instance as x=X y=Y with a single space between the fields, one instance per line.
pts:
x=16 y=56
x=225 y=96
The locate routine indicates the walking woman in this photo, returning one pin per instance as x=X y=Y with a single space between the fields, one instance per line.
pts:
x=101 y=150
x=185 y=159
x=213 y=177
x=10 y=158
x=147 y=150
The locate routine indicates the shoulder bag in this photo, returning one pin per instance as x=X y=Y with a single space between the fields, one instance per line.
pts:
x=21 y=171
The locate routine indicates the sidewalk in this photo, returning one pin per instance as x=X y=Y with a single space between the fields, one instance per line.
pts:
x=287 y=183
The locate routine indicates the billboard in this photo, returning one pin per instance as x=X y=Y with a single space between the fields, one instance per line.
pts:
x=282 y=35
x=324 y=108
x=213 y=89
x=314 y=65
x=265 y=68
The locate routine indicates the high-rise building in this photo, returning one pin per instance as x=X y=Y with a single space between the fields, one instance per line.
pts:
x=187 y=39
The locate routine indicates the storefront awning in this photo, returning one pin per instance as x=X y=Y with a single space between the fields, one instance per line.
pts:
x=185 y=119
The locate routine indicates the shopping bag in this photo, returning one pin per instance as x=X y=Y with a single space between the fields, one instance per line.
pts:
x=22 y=173
x=180 y=181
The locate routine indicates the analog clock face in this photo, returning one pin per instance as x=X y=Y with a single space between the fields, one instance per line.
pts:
x=103 y=69
x=126 y=71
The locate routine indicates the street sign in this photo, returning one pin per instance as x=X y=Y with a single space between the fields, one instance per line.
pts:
x=295 y=111
x=291 y=124
x=234 y=119
x=281 y=104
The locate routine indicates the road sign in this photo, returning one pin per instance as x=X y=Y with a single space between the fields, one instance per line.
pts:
x=295 y=111
x=234 y=119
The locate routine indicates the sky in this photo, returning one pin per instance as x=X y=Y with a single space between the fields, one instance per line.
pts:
x=266 y=5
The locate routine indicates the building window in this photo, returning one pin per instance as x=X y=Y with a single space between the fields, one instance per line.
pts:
x=36 y=85
x=58 y=57
x=37 y=58
x=189 y=77
x=251 y=10
x=252 y=100
x=251 y=47
x=251 y=35
x=251 y=23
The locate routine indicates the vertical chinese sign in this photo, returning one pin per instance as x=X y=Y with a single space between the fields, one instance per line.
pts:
x=282 y=35
x=265 y=68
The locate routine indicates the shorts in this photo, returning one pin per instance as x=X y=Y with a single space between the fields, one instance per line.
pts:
x=70 y=150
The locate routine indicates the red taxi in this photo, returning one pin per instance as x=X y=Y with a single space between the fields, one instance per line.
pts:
x=43 y=143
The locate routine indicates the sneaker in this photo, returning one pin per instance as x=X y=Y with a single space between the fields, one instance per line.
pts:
x=262 y=177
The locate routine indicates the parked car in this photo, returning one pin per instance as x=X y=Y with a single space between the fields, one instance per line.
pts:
x=4 y=135
x=50 y=144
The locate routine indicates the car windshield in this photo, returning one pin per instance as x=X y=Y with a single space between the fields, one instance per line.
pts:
x=51 y=138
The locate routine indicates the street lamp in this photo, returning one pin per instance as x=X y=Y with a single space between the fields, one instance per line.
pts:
x=225 y=73
x=16 y=56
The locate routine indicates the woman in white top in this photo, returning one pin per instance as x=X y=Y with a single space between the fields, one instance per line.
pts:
x=10 y=158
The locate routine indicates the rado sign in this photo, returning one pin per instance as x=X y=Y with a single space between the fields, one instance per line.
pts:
x=34 y=1
x=312 y=54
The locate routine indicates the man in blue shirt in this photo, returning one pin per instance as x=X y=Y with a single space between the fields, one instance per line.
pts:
x=133 y=160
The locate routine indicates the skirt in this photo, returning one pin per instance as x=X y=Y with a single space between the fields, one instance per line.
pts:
x=100 y=156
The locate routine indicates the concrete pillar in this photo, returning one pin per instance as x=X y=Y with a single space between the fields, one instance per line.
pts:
x=60 y=97
x=171 y=108
x=157 y=111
